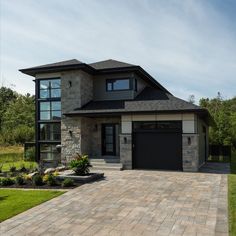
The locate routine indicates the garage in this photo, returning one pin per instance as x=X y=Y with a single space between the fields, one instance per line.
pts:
x=157 y=145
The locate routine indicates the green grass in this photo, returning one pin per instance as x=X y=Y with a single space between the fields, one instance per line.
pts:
x=18 y=165
x=232 y=196
x=14 y=156
x=13 y=202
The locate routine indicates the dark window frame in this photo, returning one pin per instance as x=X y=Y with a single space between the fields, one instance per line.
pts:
x=38 y=122
x=112 y=81
x=50 y=109
x=49 y=132
x=50 y=88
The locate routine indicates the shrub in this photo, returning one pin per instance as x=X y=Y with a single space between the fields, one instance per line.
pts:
x=20 y=180
x=30 y=154
x=67 y=183
x=37 y=180
x=7 y=181
x=80 y=165
x=51 y=180
x=23 y=168
x=12 y=168
x=1 y=165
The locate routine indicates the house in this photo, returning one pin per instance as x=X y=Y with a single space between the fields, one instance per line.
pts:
x=115 y=112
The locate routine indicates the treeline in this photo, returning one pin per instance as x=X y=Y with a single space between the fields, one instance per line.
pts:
x=224 y=115
x=17 y=117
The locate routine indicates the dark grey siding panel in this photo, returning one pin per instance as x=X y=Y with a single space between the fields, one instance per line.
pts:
x=99 y=89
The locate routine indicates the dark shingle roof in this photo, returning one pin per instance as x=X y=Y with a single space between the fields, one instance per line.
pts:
x=109 y=64
x=149 y=100
x=56 y=64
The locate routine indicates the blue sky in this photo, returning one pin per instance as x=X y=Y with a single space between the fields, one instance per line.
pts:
x=189 y=46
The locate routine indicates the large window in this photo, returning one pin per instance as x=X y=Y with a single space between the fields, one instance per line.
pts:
x=118 y=84
x=50 y=88
x=50 y=110
x=49 y=118
x=48 y=152
x=50 y=132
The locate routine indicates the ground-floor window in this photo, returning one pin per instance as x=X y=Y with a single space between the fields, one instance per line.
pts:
x=49 y=152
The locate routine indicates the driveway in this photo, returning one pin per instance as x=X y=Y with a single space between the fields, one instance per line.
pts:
x=132 y=203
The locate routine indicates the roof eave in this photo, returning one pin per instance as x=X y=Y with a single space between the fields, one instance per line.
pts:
x=34 y=71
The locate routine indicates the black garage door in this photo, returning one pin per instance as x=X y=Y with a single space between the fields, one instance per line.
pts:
x=157 y=145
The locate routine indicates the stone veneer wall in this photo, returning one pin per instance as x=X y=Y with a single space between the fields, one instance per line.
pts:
x=76 y=90
x=190 y=150
x=126 y=151
x=71 y=142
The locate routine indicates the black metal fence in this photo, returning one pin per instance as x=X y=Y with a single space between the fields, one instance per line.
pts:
x=219 y=153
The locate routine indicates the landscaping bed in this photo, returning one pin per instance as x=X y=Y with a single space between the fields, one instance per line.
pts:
x=77 y=173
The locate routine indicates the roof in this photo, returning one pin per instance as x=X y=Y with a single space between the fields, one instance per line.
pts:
x=149 y=100
x=101 y=67
x=109 y=64
x=56 y=64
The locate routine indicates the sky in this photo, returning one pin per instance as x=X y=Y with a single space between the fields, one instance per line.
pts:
x=189 y=46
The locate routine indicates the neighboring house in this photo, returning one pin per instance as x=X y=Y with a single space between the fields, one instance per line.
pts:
x=117 y=112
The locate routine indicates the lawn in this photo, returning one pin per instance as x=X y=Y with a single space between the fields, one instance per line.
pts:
x=232 y=196
x=13 y=202
x=14 y=156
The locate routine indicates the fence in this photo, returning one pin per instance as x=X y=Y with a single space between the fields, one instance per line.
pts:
x=219 y=153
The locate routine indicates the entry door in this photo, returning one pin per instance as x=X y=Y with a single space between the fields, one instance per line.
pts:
x=109 y=139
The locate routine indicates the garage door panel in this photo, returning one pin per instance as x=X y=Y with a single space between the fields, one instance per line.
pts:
x=156 y=150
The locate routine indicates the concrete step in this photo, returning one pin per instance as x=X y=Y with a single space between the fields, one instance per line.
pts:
x=106 y=167
x=106 y=164
x=106 y=160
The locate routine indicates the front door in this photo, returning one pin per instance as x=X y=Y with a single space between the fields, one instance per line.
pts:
x=109 y=139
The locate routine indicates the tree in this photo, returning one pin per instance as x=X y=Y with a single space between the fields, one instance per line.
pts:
x=18 y=120
x=191 y=99
x=6 y=97
x=224 y=114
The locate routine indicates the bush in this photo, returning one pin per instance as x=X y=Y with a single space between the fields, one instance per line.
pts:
x=7 y=181
x=12 y=168
x=80 y=165
x=23 y=168
x=1 y=165
x=37 y=180
x=67 y=183
x=30 y=154
x=51 y=180
x=20 y=180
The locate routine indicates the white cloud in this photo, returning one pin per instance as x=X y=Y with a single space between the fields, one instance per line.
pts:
x=188 y=46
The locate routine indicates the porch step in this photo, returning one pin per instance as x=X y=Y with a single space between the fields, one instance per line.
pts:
x=104 y=164
x=105 y=160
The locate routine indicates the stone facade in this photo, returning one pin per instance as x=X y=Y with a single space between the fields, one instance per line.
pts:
x=126 y=151
x=84 y=136
x=190 y=150
x=76 y=90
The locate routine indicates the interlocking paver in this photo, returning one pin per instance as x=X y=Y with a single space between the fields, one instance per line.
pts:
x=132 y=203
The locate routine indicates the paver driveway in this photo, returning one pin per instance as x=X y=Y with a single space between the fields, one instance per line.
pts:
x=132 y=203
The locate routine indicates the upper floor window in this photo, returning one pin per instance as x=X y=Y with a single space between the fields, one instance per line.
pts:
x=50 y=88
x=118 y=84
x=50 y=110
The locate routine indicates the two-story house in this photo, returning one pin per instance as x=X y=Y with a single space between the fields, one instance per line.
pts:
x=116 y=112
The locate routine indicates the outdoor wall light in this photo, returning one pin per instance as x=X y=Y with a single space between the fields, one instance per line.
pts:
x=125 y=139
x=70 y=84
x=70 y=132
x=189 y=140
